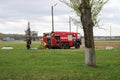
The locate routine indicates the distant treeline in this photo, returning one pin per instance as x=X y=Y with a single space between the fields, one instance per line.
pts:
x=12 y=36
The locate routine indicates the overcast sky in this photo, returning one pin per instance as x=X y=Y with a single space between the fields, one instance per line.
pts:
x=14 y=15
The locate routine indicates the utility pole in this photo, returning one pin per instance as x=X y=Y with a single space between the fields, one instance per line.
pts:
x=52 y=14
x=52 y=18
x=110 y=32
x=70 y=23
x=76 y=28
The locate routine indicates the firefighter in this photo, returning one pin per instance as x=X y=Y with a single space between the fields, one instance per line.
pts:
x=28 y=43
x=42 y=45
x=74 y=39
x=28 y=36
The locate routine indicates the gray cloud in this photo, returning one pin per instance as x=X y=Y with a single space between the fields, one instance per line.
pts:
x=38 y=12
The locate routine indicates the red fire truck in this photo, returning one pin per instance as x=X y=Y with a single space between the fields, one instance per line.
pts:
x=63 y=40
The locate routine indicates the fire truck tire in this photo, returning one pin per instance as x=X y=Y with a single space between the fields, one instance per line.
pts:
x=77 y=45
x=62 y=45
x=67 y=46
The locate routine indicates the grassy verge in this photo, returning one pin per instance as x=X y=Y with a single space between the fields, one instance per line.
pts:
x=57 y=65
x=22 y=64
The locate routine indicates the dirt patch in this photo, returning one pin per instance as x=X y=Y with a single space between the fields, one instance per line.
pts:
x=104 y=44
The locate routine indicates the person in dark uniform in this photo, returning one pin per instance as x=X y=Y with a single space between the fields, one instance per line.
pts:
x=28 y=43
x=28 y=36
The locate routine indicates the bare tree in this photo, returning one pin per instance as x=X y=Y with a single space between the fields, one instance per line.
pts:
x=88 y=11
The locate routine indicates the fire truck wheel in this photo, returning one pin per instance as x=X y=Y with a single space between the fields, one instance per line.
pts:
x=77 y=45
x=62 y=45
x=67 y=46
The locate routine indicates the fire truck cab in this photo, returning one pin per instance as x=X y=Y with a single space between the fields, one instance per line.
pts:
x=63 y=40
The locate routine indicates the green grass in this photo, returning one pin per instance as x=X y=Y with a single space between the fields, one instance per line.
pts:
x=22 y=64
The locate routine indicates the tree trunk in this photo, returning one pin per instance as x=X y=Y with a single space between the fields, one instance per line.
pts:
x=89 y=45
x=88 y=24
x=90 y=57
